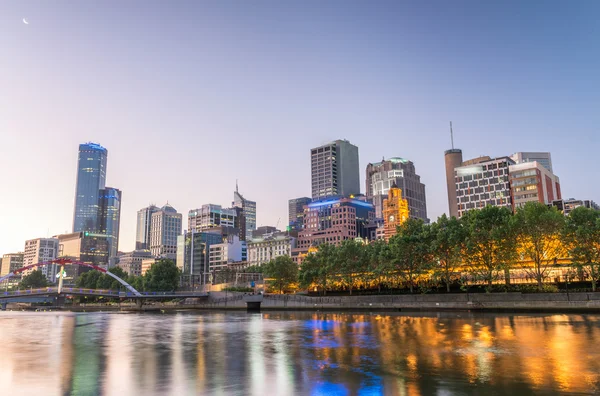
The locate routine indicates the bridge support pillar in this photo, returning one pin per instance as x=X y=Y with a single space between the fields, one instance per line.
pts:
x=3 y=306
x=59 y=300
x=253 y=302
x=139 y=302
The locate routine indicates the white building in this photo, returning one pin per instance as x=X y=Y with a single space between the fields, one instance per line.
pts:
x=41 y=250
x=165 y=227
x=231 y=250
x=262 y=250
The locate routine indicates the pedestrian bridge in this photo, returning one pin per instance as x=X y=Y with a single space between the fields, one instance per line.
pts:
x=77 y=291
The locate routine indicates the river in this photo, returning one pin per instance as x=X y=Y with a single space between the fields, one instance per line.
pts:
x=287 y=353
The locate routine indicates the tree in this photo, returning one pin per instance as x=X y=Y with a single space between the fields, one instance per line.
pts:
x=491 y=242
x=317 y=268
x=410 y=250
x=162 y=276
x=282 y=272
x=447 y=243
x=377 y=256
x=539 y=229
x=35 y=280
x=350 y=256
x=89 y=279
x=582 y=237
x=254 y=269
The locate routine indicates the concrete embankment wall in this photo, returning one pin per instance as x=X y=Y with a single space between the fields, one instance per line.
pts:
x=492 y=301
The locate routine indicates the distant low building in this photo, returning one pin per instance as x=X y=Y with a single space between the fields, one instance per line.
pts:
x=264 y=249
x=11 y=262
x=131 y=262
x=232 y=249
x=146 y=264
x=264 y=230
x=566 y=206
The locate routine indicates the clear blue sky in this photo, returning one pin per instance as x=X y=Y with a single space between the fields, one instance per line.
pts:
x=190 y=96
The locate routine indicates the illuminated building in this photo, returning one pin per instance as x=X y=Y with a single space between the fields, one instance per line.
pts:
x=144 y=219
x=395 y=211
x=334 y=170
x=110 y=217
x=532 y=182
x=40 y=250
x=248 y=213
x=91 y=178
x=11 y=262
x=165 y=226
x=380 y=177
x=296 y=212
x=333 y=221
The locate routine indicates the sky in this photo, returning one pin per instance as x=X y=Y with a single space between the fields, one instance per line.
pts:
x=189 y=96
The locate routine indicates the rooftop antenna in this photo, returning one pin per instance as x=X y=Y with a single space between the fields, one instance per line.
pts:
x=236 y=185
x=451 y=135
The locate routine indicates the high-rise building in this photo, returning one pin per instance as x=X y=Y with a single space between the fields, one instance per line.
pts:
x=210 y=216
x=41 y=250
x=380 y=176
x=453 y=159
x=131 y=262
x=395 y=211
x=165 y=226
x=543 y=158
x=110 y=217
x=533 y=182
x=144 y=219
x=335 y=170
x=10 y=263
x=483 y=183
x=566 y=206
x=248 y=210
x=296 y=212
x=91 y=178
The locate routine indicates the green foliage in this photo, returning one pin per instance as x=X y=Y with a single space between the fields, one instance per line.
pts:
x=448 y=237
x=162 y=276
x=282 y=272
x=582 y=237
x=538 y=228
x=411 y=251
x=351 y=261
x=239 y=289
x=253 y=269
x=317 y=268
x=35 y=280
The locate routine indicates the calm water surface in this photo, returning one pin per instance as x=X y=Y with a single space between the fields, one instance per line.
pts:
x=297 y=353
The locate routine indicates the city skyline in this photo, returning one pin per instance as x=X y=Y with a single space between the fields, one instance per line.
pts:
x=372 y=76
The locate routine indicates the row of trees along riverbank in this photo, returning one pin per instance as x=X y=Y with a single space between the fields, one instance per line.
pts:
x=482 y=247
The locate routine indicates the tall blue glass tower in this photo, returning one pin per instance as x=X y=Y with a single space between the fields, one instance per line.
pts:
x=91 y=178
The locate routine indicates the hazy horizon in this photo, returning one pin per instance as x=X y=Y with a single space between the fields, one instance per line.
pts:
x=190 y=96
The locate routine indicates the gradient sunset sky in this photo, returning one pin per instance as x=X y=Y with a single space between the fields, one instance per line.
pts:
x=188 y=96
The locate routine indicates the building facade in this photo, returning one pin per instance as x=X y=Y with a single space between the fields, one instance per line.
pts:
x=333 y=221
x=543 y=158
x=452 y=159
x=88 y=247
x=110 y=218
x=165 y=226
x=395 y=211
x=533 y=182
x=210 y=216
x=381 y=176
x=91 y=178
x=193 y=254
x=483 y=183
x=248 y=211
x=40 y=250
x=144 y=220
x=131 y=262
x=10 y=263
x=335 y=170
x=296 y=212
x=566 y=206
x=230 y=250
x=264 y=249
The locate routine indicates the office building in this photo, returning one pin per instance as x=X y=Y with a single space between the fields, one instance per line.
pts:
x=142 y=234
x=88 y=247
x=193 y=253
x=210 y=216
x=533 y=182
x=333 y=221
x=10 y=263
x=265 y=230
x=483 y=183
x=230 y=250
x=380 y=176
x=296 y=212
x=110 y=218
x=335 y=170
x=91 y=178
x=263 y=249
x=147 y=264
x=543 y=158
x=248 y=211
x=131 y=262
x=566 y=206
x=41 y=250
x=395 y=211
x=165 y=226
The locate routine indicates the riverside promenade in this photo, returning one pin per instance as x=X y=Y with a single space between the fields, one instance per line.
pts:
x=508 y=302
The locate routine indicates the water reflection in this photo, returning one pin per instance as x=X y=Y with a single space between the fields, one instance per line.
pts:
x=297 y=353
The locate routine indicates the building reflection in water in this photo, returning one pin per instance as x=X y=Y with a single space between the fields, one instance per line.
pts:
x=298 y=353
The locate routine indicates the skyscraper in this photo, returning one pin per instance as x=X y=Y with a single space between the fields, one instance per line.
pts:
x=91 y=178
x=248 y=209
x=165 y=226
x=110 y=216
x=381 y=176
x=334 y=170
x=296 y=212
x=543 y=158
x=144 y=219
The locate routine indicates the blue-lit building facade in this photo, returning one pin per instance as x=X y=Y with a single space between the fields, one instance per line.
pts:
x=110 y=217
x=334 y=220
x=91 y=178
